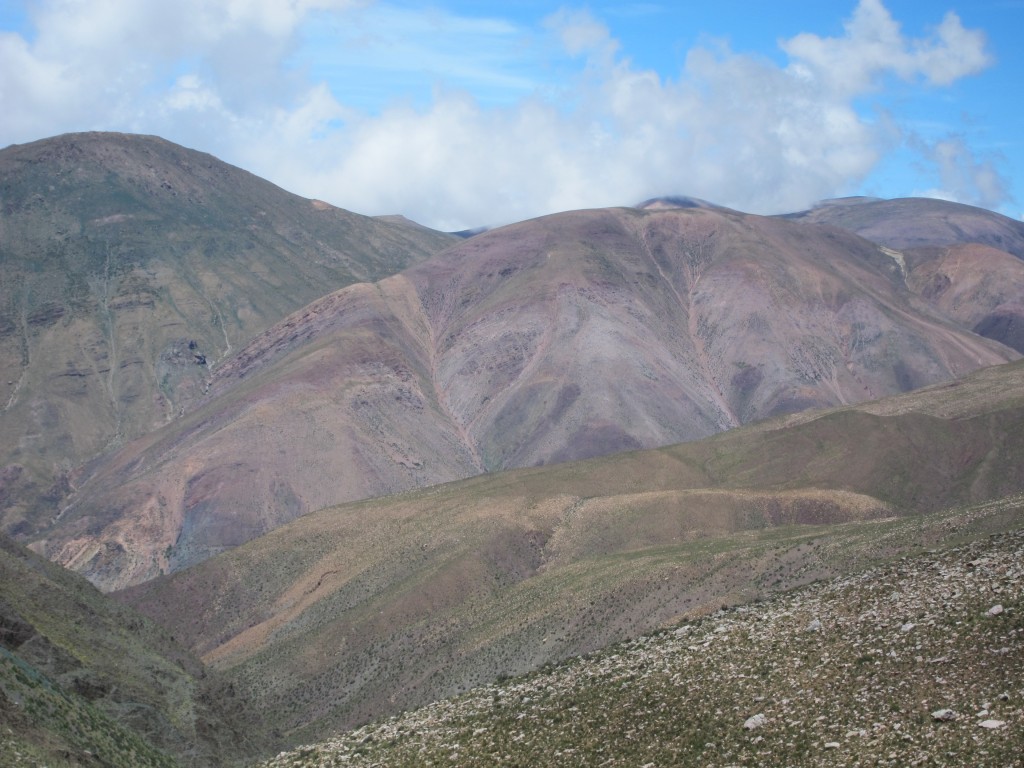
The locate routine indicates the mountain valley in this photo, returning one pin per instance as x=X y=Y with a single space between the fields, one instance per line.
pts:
x=367 y=609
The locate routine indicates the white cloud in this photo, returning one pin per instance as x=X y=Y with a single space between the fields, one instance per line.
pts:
x=232 y=78
x=874 y=46
x=964 y=178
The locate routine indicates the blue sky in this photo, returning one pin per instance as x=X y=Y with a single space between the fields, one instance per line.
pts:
x=459 y=114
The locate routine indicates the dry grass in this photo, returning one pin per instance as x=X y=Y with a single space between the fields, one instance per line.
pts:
x=846 y=672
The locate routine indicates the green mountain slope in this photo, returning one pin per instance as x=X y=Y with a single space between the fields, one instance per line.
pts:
x=130 y=267
x=916 y=662
x=82 y=675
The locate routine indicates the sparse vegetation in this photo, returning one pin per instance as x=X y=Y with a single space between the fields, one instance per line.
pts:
x=845 y=672
x=368 y=609
x=55 y=728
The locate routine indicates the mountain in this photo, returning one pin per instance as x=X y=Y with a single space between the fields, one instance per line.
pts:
x=967 y=262
x=370 y=608
x=914 y=221
x=87 y=681
x=980 y=287
x=890 y=664
x=130 y=268
x=561 y=338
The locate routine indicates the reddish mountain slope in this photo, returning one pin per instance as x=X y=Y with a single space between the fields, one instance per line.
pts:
x=560 y=338
x=980 y=287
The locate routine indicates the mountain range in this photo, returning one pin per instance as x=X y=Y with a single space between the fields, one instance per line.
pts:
x=573 y=335
x=333 y=467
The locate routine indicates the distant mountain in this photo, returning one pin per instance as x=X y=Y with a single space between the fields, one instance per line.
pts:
x=980 y=287
x=967 y=262
x=565 y=337
x=86 y=681
x=367 y=609
x=916 y=221
x=129 y=269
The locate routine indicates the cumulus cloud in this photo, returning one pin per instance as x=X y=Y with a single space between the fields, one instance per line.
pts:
x=731 y=127
x=108 y=64
x=874 y=46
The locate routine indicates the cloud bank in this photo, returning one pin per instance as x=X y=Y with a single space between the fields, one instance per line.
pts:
x=233 y=78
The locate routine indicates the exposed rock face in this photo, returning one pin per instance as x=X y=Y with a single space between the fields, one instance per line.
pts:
x=570 y=336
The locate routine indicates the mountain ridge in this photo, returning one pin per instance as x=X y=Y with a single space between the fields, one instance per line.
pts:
x=484 y=358
x=912 y=222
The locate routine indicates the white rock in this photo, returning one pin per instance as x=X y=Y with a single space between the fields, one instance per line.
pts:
x=944 y=714
x=814 y=626
x=995 y=610
x=755 y=722
x=907 y=627
x=832 y=745
x=992 y=724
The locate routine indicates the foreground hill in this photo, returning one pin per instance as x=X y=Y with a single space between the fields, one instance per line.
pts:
x=86 y=681
x=129 y=268
x=566 y=337
x=917 y=662
x=370 y=608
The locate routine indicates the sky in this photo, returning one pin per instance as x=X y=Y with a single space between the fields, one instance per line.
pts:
x=462 y=114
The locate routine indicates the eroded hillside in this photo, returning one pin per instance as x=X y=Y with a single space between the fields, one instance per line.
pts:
x=570 y=336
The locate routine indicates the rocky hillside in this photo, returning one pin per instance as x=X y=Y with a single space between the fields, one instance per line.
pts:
x=130 y=268
x=570 y=336
x=919 y=661
x=367 y=609
x=85 y=681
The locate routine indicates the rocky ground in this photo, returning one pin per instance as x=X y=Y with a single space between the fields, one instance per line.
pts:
x=916 y=662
